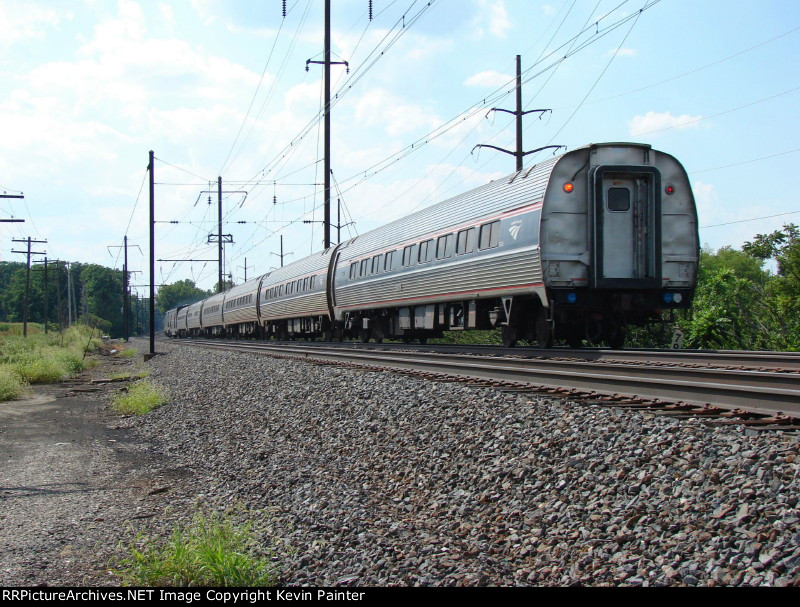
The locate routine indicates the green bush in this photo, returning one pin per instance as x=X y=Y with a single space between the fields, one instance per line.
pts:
x=11 y=384
x=211 y=551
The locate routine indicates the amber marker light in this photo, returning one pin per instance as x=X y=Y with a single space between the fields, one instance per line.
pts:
x=568 y=187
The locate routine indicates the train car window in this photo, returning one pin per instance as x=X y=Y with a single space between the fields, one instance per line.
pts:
x=387 y=265
x=364 y=267
x=490 y=235
x=443 y=246
x=426 y=251
x=408 y=255
x=465 y=243
x=619 y=199
x=353 y=270
x=305 y=284
x=376 y=264
x=311 y=282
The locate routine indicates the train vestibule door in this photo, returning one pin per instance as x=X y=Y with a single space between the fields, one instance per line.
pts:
x=627 y=247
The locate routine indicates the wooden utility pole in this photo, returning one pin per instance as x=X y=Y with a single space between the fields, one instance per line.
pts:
x=46 y=293
x=126 y=304
x=30 y=241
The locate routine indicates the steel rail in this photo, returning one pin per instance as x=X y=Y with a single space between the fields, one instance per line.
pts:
x=784 y=361
x=758 y=392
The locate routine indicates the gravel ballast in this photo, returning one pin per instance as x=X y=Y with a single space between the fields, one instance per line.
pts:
x=379 y=479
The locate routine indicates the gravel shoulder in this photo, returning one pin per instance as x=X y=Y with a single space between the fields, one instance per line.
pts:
x=371 y=479
x=73 y=483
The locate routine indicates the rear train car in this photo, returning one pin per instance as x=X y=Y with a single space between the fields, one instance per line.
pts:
x=577 y=247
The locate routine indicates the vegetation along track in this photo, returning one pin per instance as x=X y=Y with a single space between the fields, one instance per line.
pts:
x=695 y=386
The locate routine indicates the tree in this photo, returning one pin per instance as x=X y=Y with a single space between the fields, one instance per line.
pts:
x=783 y=246
x=180 y=293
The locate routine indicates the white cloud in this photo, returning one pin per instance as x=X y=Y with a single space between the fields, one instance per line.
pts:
x=492 y=15
x=623 y=52
x=378 y=107
x=24 y=20
x=166 y=12
x=548 y=10
x=489 y=78
x=704 y=193
x=653 y=122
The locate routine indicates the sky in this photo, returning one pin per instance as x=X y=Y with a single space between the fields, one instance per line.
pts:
x=219 y=88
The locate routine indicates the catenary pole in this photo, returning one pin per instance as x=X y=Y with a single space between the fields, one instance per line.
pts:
x=152 y=257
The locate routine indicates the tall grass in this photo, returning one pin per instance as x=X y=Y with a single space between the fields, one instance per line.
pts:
x=42 y=358
x=210 y=551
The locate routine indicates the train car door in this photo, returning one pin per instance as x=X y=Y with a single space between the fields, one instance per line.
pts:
x=627 y=234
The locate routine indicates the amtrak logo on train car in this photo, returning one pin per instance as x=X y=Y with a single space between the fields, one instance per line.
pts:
x=514 y=229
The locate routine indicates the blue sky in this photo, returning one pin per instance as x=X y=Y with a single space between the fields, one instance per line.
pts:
x=219 y=88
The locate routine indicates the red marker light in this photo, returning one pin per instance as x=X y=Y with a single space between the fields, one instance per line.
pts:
x=670 y=189
x=568 y=187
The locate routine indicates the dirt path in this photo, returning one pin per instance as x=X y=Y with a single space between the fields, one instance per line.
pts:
x=73 y=484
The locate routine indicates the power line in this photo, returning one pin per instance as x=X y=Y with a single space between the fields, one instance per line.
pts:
x=716 y=225
x=736 y=109
x=725 y=166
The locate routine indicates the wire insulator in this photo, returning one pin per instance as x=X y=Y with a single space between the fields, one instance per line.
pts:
x=370 y=10
x=284 y=8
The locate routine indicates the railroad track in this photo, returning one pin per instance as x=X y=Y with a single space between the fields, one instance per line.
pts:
x=685 y=387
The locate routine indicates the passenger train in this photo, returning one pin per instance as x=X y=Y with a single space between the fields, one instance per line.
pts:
x=574 y=248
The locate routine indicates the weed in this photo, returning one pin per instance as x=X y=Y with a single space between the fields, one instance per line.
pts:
x=137 y=374
x=211 y=551
x=140 y=398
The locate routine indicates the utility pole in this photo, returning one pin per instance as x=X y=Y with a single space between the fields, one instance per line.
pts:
x=281 y=254
x=27 y=278
x=519 y=154
x=69 y=295
x=219 y=226
x=58 y=300
x=46 y=293
x=126 y=304
x=327 y=109
x=126 y=297
x=152 y=257
x=245 y=269
x=219 y=237
x=339 y=224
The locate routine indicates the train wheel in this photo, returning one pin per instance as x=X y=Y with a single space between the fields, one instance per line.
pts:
x=574 y=336
x=542 y=335
x=509 y=336
x=615 y=336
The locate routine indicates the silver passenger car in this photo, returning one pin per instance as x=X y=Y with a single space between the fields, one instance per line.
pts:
x=294 y=299
x=574 y=248
x=240 y=308
x=211 y=315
